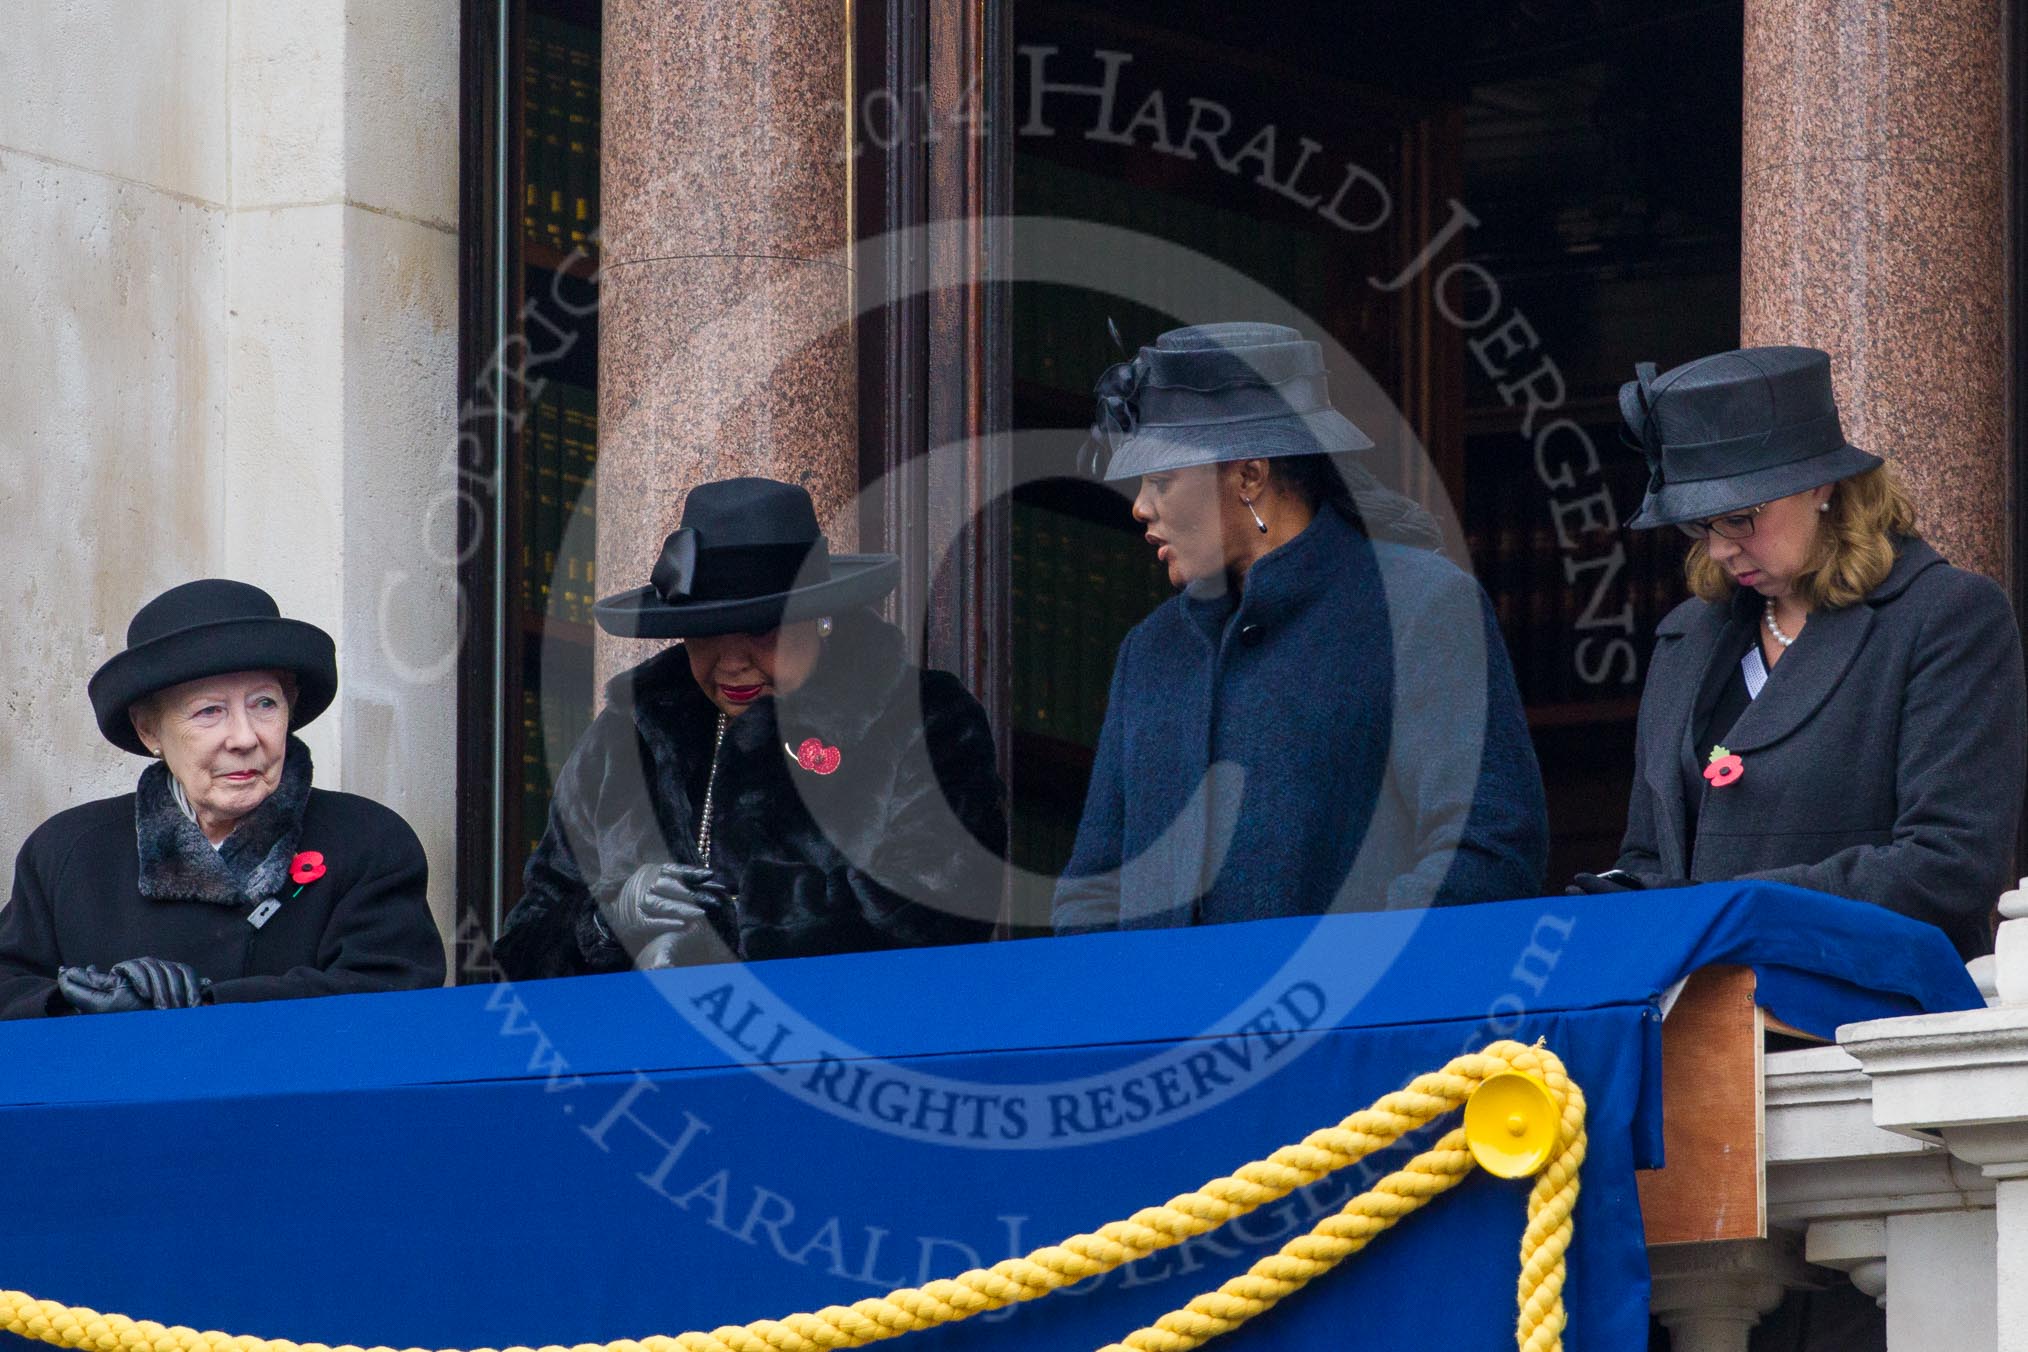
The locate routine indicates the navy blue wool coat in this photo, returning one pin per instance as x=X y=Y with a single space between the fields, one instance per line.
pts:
x=1347 y=737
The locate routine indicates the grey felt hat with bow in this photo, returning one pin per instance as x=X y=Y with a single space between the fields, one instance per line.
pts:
x=1212 y=393
x=1734 y=430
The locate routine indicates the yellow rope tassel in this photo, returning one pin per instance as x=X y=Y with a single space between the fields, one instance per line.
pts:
x=1427 y=1176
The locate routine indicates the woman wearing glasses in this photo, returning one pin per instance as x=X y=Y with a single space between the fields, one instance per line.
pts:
x=1837 y=707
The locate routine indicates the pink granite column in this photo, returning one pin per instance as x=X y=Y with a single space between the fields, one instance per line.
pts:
x=725 y=343
x=1874 y=228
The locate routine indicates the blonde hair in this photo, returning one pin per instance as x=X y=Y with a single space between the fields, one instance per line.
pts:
x=1854 y=550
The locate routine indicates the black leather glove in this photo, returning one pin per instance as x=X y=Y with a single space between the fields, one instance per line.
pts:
x=137 y=983
x=1619 y=880
x=1597 y=884
x=666 y=915
x=91 y=991
x=162 y=983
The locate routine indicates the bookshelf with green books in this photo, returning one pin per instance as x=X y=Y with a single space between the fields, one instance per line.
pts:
x=1080 y=585
x=551 y=477
x=560 y=143
x=1080 y=577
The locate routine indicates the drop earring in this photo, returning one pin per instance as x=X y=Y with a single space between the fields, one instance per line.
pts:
x=1256 y=515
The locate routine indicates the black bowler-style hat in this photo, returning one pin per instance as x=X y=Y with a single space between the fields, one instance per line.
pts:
x=1734 y=430
x=210 y=628
x=746 y=557
x=1216 y=392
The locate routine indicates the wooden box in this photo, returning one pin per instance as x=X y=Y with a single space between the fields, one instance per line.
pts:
x=1713 y=1114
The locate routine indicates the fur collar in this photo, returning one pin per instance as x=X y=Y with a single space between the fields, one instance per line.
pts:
x=178 y=863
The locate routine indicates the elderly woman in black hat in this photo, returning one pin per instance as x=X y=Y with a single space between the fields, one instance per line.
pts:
x=1837 y=707
x=224 y=876
x=783 y=783
x=1325 y=719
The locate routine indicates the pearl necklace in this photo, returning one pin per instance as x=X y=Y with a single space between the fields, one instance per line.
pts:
x=710 y=790
x=1784 y=639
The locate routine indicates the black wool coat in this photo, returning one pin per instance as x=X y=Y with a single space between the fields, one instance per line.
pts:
x=1883 y=760
x=132 y=877
x=899 y=844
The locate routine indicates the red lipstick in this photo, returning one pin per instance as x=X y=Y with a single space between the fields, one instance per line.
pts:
x=741 y=694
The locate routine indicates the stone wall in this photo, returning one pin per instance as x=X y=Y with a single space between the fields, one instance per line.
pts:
x=229 y=300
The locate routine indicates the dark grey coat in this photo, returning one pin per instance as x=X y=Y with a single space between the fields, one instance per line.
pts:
x=1883 y=760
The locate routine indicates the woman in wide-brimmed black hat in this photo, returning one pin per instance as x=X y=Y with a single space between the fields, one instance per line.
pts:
x=1837 y=707
x=224 y=876
x=783 y=783
x=1325 y=718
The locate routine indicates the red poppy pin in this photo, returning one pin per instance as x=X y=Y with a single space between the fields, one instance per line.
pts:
x=1725 y=767
x=814 y=756
x=304 y=869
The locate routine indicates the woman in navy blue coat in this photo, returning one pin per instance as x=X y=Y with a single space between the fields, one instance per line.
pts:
x=1325 y=718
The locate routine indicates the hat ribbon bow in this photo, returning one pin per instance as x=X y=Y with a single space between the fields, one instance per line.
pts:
x=1650 y=443
x=676 y=571
x=1117 y=414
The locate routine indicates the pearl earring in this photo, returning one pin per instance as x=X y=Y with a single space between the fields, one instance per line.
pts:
x=1256 y=515
x=1823 y=506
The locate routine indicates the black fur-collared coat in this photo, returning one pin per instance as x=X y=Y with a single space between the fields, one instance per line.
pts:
x=863 y=811
x=132 y=877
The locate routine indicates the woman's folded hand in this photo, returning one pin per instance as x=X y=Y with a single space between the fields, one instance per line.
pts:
x=137 y=983
x=663 y=915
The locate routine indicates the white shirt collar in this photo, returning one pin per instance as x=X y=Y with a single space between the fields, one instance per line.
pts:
x=183 y=805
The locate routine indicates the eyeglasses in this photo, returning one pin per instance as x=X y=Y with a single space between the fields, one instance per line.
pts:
x=1731 y=526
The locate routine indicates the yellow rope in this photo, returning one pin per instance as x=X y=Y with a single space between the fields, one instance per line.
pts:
x=1428 y=1175
x=1335 y=1239
x=1403 y=1192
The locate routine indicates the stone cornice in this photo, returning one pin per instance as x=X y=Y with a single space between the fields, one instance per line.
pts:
x=1935 y=1072
x=1827 y=1160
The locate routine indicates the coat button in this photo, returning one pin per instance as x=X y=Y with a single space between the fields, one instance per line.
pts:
x=1251 y=635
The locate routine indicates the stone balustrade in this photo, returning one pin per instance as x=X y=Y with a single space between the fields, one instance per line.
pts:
x=1898 y=1160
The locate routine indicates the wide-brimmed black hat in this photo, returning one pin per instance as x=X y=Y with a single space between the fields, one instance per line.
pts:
x=746 y=557
x=1216 y=392
x=1735 y=430
x=210 y=628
